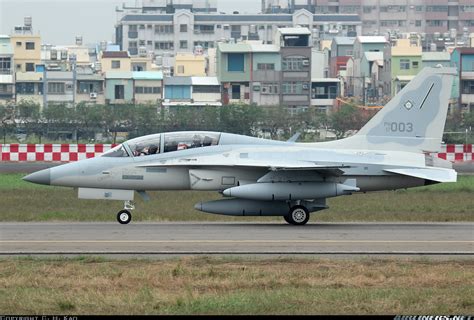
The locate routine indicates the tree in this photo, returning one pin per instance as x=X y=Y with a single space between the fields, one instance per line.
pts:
x=7 y=119
x=28 y=115
x=346 y=118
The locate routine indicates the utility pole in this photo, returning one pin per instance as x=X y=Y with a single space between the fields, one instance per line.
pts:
x=363 y=90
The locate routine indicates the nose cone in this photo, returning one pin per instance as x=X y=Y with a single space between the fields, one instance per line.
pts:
x=40 y=177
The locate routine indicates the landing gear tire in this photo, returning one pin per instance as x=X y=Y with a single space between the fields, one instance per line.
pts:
x=124 y=217
x=298 y=216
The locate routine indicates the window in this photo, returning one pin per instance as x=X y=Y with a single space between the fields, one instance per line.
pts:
x=25 y=88
x=235 y=62
x=436 y=8
x=133 y=28
x=119 y=92
x=4 y=88
x=265 y=66
x=468 y=87
x=203 y=28
x=236 y=92
x=206 y=89
x=164 y=45
x=183 y=44
x=414 y=64
x=435 y=23
x=30 y=67
x=269 y=88
x=292 y=87
x=294 y=63
x=404 y=64
x=5 y=65
x=117 y=152
x=183 y=28
x=164 y=29
x=180 y=69
x=204 y=44
x=115 y=64
x=190 y=140
x=18 y=44
x=30 y=45
x=87 y=87
x=56 y=88
x=418 y=23
x=324 y=91
x=147 y=90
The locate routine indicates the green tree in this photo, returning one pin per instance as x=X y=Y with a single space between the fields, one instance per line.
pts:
x=346 y=118
x=28 y=117
x=7 y=120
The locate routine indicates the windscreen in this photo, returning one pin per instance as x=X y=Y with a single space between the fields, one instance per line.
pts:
x=117 y=152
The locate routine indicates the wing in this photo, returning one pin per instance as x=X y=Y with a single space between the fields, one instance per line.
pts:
x=273 y=165
x=432 y=174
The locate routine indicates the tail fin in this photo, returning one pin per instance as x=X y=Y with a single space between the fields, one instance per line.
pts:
x=413 y=120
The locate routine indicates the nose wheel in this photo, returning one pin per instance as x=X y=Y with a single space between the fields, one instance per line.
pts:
x=298 y=216
x=125 y=216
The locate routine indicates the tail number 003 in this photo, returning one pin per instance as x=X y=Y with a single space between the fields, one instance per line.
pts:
x=399 y=126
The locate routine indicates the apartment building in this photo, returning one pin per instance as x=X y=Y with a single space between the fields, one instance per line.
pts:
x=367 y=49
x=192 y=92
x=402 y=62
x=181 y=28
x=27 y=51
x=7 y=81
x=341 y=50
x=463 y=59
x=432 y=17
x=275 y=74
x=190 y=65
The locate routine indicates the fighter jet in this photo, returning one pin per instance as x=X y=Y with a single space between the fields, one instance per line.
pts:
x=260 y=177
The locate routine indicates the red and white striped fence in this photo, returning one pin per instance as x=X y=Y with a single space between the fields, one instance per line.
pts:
x=75 y=152
x=457 y=152
x=51 y=152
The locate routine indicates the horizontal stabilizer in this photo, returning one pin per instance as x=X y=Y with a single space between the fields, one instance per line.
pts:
x=432 y=174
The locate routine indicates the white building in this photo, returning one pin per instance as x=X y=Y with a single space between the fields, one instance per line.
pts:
x=165 y=31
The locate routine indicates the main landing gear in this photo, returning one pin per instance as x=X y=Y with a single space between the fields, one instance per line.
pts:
x=125 y=216
x=297 y=216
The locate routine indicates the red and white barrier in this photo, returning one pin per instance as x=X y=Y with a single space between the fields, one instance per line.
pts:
x=75 y=152
x=456 y=152
x=51 y=152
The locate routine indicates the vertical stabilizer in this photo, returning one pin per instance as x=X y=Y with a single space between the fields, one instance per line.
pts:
x=412 y=121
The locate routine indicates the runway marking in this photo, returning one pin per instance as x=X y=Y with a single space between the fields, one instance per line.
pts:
x=229 y=241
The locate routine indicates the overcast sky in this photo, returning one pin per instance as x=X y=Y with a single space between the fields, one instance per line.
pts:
x=59 y=21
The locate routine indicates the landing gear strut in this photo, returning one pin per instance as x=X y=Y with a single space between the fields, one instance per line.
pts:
x=298 y=216
x=125 y=216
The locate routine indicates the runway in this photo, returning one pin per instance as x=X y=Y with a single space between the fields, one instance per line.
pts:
x=259 y=239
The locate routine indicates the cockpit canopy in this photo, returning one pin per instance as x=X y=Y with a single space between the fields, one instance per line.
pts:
x=163 y=143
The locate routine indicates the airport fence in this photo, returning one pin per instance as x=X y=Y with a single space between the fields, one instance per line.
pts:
x=76 y=152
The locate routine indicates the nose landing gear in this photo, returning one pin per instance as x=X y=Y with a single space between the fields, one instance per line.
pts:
x=125 y=216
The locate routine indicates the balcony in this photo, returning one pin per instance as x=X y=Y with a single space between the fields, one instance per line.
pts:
x=467 y=75
x=132 y=34
x=467 y=98
x=6 y=71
